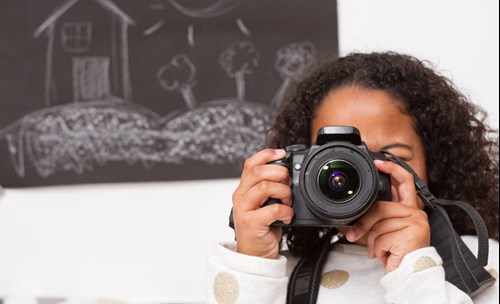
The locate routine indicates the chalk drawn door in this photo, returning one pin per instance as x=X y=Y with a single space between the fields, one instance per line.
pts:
x=91 y=78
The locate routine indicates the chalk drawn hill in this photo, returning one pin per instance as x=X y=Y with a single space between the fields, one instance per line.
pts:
x=78 y=136
x=220 y=131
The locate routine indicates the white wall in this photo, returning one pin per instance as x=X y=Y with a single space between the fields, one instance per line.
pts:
x=459 y=36
x=150 y=241
x=141 y=242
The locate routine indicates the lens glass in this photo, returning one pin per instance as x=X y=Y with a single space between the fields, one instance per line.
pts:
x=338 y=180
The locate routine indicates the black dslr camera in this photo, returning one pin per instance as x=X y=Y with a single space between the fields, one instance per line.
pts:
x=335 y=181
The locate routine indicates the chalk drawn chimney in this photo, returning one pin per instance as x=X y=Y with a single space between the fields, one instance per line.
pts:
x=87 y=52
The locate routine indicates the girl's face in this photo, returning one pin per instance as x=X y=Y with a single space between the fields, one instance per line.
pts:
x=380 y=119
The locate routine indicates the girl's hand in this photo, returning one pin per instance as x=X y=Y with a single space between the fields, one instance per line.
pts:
x=260 y=181
x=393 y=229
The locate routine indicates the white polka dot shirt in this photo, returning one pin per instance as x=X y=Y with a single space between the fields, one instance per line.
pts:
x=349 y=276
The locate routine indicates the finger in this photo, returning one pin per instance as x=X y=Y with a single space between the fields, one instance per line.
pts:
x=272 y=213
x=263 y=157
x=394 y=194
x=253 y=174
x=383 y=259
x=270 y=173
x=379 y=211
x=381 y=228
x=397 y=243
x=387 y=249
x=260 y=193
x=404 y=179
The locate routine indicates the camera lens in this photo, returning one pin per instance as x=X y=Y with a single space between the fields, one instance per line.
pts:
x=338 y=180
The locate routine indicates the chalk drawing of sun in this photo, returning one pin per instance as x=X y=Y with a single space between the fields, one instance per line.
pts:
x=198 y=9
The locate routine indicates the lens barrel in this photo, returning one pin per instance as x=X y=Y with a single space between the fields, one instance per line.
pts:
x=338 y=182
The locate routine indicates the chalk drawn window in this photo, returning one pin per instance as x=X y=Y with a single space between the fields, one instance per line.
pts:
x=76 y=36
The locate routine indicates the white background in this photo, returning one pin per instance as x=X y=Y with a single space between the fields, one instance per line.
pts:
x=459 y=37
x=149 y=242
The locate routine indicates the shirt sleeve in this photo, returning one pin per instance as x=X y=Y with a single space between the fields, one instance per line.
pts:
x=420 y=278
x=239 y=278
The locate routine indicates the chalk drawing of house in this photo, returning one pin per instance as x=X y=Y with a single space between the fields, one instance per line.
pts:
x=87 y=52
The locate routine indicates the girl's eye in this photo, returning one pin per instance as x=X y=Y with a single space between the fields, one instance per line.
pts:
x=403 y=157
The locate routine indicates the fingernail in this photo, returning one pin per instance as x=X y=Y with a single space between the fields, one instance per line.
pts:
x=378 y=161
x=280 y=152
x=350 y=235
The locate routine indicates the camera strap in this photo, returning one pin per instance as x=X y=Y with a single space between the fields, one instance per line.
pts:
x=462 y=268
x=303 y=285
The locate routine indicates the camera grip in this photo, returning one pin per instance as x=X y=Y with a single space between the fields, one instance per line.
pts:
x=269 y=202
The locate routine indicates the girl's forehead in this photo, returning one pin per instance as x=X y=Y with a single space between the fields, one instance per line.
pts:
x=378 y=116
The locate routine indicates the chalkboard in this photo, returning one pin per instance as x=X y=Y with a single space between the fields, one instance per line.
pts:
x=96 y=91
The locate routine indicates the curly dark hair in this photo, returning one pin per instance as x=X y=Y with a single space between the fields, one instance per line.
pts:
x=461 y=149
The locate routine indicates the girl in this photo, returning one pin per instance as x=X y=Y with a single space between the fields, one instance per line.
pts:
x=401 y=105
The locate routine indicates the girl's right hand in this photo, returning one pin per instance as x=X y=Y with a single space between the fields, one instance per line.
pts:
x=260 y=181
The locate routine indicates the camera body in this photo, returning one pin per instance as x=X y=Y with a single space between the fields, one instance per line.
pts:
x=334 y=181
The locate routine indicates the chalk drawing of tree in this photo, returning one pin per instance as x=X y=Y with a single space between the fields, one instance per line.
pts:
x=290 y=62
x=179 y=74
x=240 y=59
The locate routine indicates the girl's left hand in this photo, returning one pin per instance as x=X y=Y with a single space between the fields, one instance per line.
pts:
x=393 y=229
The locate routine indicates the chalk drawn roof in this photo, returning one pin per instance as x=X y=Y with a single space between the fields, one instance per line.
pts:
x=58 y=12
